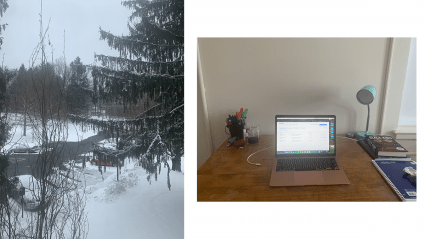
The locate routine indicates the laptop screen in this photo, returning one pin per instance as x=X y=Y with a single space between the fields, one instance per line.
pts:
x=305 y=135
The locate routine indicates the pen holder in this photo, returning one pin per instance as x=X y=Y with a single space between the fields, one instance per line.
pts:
x=236 y=130
x=235 y=126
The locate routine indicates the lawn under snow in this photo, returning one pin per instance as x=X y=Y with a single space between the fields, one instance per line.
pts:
x=108 y=143
x=18 y=140
x=131 y=207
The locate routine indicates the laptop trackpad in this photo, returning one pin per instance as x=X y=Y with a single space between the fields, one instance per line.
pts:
x=308 y=178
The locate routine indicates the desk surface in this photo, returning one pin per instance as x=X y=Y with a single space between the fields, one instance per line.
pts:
x=226 y=176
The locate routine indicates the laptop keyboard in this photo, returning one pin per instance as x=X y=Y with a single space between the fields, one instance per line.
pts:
x=306 y=164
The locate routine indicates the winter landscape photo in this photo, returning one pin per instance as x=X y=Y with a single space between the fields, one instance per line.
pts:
x=92 y=119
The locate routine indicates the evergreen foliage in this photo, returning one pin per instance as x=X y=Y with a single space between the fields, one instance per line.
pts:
x=3 y=84
x=45 y=88
x=78 y=92
x=3 y=6
x=3 y=116
x=150 y=68
x=16 y=86
x=6 y=76
x=7 y=184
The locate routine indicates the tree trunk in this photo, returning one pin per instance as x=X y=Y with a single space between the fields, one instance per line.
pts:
x=25 y=122
x=176 y=162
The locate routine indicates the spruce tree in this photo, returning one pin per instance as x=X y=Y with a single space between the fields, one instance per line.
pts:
x=150 y=68
x=78 y=92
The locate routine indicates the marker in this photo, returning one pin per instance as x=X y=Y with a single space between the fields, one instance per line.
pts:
x=244 y=113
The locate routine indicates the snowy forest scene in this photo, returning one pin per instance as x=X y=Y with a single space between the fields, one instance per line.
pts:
x=92 y=119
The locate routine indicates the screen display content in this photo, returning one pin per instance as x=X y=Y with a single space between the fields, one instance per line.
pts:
x=305 y=135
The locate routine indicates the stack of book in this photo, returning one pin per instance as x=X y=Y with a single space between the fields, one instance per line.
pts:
x=392 y=162
x=382 y=146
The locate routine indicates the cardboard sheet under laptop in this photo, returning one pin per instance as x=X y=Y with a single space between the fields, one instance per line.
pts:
x=303 y=143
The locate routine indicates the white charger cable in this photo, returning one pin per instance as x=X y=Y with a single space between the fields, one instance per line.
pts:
x=258 y=164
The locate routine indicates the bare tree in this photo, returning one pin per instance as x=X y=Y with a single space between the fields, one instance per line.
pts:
x=59 y=211
x=60 y=208
x=55 y=190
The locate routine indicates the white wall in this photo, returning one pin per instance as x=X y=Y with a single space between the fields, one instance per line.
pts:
x=205 y=147
x=272 y=76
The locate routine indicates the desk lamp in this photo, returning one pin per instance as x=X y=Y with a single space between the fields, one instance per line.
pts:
x=365 y=96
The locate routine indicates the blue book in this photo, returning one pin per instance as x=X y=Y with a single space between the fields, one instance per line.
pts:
x=392 y=169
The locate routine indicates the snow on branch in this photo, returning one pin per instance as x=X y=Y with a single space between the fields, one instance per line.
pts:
x=163 y=33
x=126 y=61
x=178 y=107
x=119 y=41
x=167 y=114
x=100 y=71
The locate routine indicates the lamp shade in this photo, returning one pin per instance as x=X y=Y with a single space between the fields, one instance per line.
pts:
x=366 y=95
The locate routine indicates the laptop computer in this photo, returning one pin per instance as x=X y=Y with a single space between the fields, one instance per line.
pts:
x=306 y=151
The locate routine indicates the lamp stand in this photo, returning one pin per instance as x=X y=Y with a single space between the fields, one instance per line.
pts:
x=362 y=134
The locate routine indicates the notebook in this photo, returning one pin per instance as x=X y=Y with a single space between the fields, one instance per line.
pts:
x=393 y=171
x=305 y=151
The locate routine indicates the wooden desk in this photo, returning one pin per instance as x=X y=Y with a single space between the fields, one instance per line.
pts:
x=226 y=176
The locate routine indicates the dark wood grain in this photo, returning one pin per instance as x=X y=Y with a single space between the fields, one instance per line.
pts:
x=226 y=176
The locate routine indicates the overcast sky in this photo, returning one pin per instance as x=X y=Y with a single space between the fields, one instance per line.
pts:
x=79 y=18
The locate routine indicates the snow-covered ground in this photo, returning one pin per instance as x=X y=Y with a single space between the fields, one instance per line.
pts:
x=18 y=140
x=26 y=181
x=108 y=143
x=131 y=207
